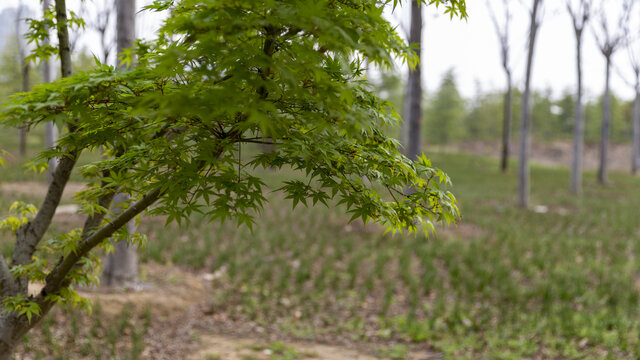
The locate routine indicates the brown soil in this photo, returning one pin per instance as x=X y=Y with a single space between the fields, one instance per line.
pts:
x=38 y=190
x=184 y=326
x=556 y=153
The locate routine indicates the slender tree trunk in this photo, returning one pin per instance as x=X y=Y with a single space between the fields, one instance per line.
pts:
x=121 y=266
x=414 y=85
x=50 y=130
x=25 y=87
x=635 y=148
x=506 y=126
x=606 y=125
x=406 y=110
x=578 y=129
x=525 y=141
x=24 y=72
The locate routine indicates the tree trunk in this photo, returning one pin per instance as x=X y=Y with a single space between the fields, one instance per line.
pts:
x=525 y=141
x=24 y=67
x=121 y=266
x=13 y=327
x=25 y=87
x=50 y=130
x=506 y=128
x=414 y=84
x=578 y=130
x=7 y=341
x=606 y=125
x=635 y=148
x=406 y=110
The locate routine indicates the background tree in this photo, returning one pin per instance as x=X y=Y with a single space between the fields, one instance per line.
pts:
x=413 y=95
x=174 y=123
x=635 y=142
x=580 y=14
x=634 y=62
x=502 y=31
x=24 y=67
x=608 y=43
x=101 y=23
x=535 y=18
x=121 y=267
x=50 y=131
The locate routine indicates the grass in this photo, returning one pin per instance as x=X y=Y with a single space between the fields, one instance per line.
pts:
x=68 y=333
x=506 y=284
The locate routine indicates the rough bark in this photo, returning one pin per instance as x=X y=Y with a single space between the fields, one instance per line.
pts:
x=525 y=140
x=29 y=235
x=121 y=267
x=414 y=85
x=64 y=47
x=606 y=124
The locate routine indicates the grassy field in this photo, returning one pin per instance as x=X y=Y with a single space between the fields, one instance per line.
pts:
x=560 y=282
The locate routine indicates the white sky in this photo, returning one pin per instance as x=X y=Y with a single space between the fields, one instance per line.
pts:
x=471 y=48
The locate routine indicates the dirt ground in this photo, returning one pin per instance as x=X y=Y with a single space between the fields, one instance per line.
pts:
x=556 y=153
x=185 y=328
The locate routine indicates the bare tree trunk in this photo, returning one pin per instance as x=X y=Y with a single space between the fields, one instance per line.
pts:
x=635 y=148
x=606 y=125
x=24 y=69
x=121 y=266
x=502 y=31
x=25 y=87
x=50 y=130
x=406 y=110
x=525 y=141
x=578 y=130
x=414 y=84
x=506 y=126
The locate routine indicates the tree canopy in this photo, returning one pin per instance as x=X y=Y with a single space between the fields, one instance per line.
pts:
x=222 y=74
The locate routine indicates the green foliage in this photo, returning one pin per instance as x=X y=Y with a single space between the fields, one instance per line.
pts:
x=293 y=76
x=220 y=75
x=23 y=213
x=21 y=305
x=485 y=119
x=40 y=30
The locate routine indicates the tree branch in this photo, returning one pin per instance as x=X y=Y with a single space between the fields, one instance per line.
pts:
x=30 y=234
x=56 y=277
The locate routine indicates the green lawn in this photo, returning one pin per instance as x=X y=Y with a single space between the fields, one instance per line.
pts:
x=506 y=284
